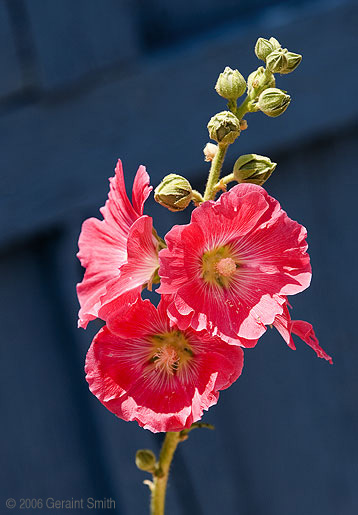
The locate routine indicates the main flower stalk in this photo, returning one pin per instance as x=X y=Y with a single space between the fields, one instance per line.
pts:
x=224 y=278
x=160 y=476
x=215 y=170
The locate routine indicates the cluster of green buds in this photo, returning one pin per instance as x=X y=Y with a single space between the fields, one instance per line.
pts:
x=262 y=94
x=269 y=99
x=277 y=59
x=261 y=83
x=175 y=192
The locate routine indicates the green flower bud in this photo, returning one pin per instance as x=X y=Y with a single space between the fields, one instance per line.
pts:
x=293 y=60
x=277 y=61
x=264 y=47
x=283 y=61
x=174 y=192
x=259 y=80
x=253 y=168
x=273 y=102
x=230 y=84
x=145 y=460
x=224 y=127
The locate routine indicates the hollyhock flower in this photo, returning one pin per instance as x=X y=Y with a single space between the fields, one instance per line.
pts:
x=143 y=368
x=119 y=253
x=304 y=330
x=230 y=269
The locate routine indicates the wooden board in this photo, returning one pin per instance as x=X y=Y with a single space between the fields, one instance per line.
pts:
x=75 y=39
x=56 y=156
x=11 y=77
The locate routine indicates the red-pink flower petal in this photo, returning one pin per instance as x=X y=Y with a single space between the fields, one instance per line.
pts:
x=304 y=330
x=122 y=374
x=268 y=248
x=199 y=322
x=141 y=189
x=103 y=246
x=142 y=260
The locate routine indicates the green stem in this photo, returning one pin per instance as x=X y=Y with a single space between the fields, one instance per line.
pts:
x=243 y=108
x=227 y=179
x=160 y=477
x=232 y=106
x=197 y=197
x=214 y=174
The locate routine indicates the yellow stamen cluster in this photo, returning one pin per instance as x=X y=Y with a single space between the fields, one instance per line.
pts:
x=219 y=266
x=170 y=352
x=167 y=359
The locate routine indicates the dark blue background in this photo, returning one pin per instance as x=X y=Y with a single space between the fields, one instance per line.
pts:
x=85 y=82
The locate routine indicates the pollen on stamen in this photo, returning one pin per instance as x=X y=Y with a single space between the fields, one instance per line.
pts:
x=226 y=267
x=167 y=359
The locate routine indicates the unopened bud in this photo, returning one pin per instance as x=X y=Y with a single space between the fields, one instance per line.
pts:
x=230 y=84
x=282 y=61
x=277 y=61
x=224 y=127
x=210 y=150
x=253 y=168
x=264 y=47
x=258 y=80
x=273 y=102
x=174 y=192
x=293 y=60
x=145 y=460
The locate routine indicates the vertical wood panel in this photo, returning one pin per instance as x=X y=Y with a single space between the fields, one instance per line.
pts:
x=167 y=22
x=73 y=39
x=11 y=79
x=47 y=435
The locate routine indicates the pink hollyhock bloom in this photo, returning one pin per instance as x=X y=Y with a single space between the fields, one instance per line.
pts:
x=230 y=269
x=304 y=330
x=119 y=253
x=143 y=368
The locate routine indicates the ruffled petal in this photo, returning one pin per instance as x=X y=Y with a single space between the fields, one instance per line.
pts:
x=304 y=330
x=142 y=260
x=123 y=377
x=103 y=243
x=269 y=251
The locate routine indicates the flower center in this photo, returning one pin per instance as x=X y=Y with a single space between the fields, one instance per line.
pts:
x=167 y=359
x=226 y=267
x=219 y=266
x=170 y=352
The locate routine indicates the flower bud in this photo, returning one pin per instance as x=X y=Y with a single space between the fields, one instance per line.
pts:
x=145 y=460
x=293 y=60
x=253 y=168
x=230 y=84
x=258 y=80
x=210 y=150
x=277 y=61
x=273 y=102
x=224 y=127
x=174 y=192
x=264 y=47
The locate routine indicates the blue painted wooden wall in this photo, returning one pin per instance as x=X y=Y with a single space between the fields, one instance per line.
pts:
x=85 y=82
